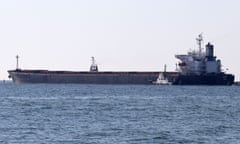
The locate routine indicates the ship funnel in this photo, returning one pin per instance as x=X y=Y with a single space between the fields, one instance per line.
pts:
x=210 y=51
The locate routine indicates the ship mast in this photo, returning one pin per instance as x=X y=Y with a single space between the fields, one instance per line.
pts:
x=93 y=67
x=17 y=66
x=199 y=42
x=93 y=61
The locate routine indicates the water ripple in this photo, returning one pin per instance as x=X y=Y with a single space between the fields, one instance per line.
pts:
x=105 y=114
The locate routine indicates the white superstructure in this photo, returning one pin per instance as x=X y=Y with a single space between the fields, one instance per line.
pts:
x=199 y=62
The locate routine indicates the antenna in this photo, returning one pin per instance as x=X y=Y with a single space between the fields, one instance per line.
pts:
x=17 y=57
x=199 y=42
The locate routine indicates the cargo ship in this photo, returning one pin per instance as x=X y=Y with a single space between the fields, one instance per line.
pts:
x=201 y=68
x=195 y=68
x=93 y=76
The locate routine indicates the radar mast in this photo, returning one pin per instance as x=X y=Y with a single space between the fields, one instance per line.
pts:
x=199 y=42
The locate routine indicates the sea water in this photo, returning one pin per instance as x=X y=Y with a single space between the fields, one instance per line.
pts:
x=118 y=114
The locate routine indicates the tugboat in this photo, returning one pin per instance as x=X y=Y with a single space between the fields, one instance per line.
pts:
x=162 y=78
x=201 y=68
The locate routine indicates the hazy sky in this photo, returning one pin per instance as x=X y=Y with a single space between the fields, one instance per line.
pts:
x=121 y=34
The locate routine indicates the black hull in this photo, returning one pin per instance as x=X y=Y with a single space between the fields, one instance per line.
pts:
x=146 y=78
x=210 y=79
x=64 y=77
